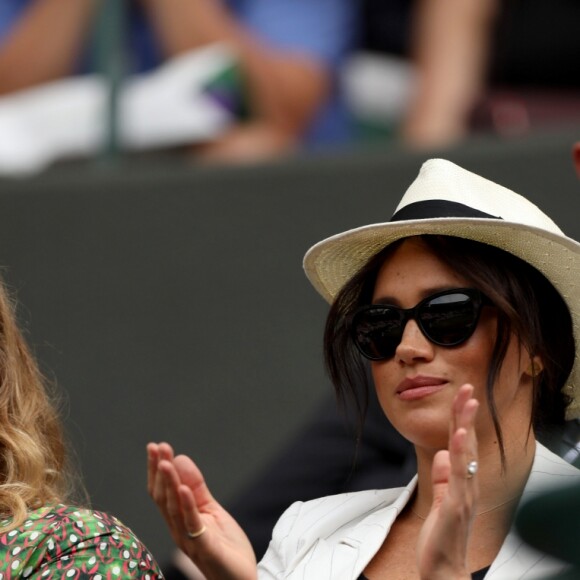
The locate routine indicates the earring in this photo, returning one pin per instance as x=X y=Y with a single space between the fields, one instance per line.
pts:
x=535 y=367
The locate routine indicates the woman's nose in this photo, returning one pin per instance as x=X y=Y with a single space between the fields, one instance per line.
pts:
x=414 y=345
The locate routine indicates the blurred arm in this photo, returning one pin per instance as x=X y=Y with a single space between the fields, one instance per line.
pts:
x=451 y=42
x=45 y=43
x=285 y=88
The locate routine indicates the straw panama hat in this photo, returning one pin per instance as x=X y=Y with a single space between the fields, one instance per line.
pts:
x=449 y=200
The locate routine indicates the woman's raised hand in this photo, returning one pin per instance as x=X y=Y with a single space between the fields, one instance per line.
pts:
x=198 y=524
x=443 y=541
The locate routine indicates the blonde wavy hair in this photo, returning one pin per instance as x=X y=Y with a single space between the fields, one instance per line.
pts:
x=34 y=467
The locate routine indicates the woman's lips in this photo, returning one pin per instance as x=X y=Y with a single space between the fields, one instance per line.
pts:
x=419 y=387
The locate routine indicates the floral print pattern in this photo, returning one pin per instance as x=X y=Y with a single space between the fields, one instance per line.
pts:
x=68 y=542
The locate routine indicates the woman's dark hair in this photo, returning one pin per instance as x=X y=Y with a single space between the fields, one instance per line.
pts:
x=527 y=305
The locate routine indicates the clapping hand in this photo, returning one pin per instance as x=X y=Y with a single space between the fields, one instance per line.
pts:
x=199 y=525
x=443 y=541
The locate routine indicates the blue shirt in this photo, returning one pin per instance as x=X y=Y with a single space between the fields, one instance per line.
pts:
x=324 y=30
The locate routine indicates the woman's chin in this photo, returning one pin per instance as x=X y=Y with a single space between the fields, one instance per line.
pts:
x=425 y=429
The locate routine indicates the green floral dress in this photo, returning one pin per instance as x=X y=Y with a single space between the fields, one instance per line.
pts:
x=74 y=543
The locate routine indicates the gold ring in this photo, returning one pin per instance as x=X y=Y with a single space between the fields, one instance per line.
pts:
x=194 y=535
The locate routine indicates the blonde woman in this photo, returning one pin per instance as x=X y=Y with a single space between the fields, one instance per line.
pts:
x=41 y=534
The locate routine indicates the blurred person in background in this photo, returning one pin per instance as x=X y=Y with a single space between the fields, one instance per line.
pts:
x=504 y=65
x=288 y=52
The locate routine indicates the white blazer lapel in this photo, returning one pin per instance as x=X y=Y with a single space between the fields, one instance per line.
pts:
x=516 y=559
x=346 y=553
x=370 y=533
x=334 y=538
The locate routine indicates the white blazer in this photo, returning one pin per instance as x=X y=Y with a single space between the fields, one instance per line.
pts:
x=336 y=537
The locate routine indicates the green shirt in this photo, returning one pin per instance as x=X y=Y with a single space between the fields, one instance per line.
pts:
x=74 y=543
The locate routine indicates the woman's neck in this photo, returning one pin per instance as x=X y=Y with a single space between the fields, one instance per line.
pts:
x=500 y=485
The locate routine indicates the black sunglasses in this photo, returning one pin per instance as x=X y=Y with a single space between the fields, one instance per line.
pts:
x=446 y=318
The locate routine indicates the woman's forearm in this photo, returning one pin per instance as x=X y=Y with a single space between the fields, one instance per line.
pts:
x=451 y=40
x=45 y=43
x=285 y=89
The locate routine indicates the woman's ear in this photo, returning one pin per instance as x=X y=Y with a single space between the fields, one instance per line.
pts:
x=535 y=367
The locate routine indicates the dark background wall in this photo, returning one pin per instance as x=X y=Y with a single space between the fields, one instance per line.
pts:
x=168 y=301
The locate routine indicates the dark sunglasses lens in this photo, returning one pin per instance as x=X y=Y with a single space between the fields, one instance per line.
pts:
x=377 y=331
x=449 y=319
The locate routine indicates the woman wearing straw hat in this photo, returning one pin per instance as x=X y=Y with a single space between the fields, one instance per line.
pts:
x=464 y=305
